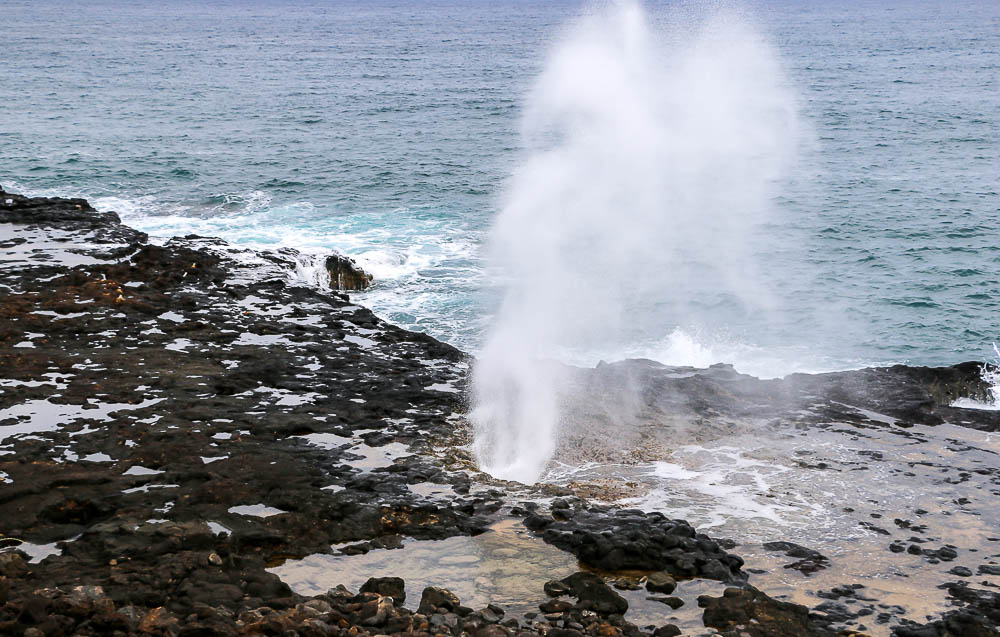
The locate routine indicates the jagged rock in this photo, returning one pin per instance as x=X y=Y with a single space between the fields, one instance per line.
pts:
x=12 y=565
x=555 y=588
x=979 y=617
x=345 y=274
x=555 y=606
x=434 y=598
x=660 y=582
x=157 y=620
x=377 y=611
x=672 y=602
x=809 y=561
x=594 y=594
x=492 y=614
x=748 y=612
x=632 y=539
x=222 y=375
x=393 y=587
x=492 y=630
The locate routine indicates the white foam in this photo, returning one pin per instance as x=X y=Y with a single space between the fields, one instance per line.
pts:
x=971 y=403
x=991 y=376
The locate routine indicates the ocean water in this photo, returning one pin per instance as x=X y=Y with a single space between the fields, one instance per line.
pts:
x=390 y=130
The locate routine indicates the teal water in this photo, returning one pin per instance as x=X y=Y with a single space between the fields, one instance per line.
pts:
x=387 y=130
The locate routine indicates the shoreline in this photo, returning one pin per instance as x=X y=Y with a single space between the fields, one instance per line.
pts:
x=177 y=421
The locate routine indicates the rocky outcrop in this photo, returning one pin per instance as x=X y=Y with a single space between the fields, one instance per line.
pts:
x=176 y=419
x=591 y=592
x=345 y=274
x=170 y=416
x=979 y=615
x=747 y=612
x=629 y=539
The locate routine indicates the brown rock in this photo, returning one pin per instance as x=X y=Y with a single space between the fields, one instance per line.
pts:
x=757 y=615
x=434 y=597
x=345 y=274
x=555 y=606
x=393 y=587
x=660 y=582
x=158 y=619
x=376 y=612
x=12 y=565
x=492 y=630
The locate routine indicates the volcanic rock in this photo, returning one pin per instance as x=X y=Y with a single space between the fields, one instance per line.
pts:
x=345 y=274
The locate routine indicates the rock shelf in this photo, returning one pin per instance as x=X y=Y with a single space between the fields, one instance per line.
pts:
x=178 y=421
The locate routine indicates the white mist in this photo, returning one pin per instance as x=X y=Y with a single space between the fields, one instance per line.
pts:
x=650 y=155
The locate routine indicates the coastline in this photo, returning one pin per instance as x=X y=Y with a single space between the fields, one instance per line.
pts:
x=179 y=419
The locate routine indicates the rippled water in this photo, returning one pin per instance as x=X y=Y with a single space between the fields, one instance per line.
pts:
x=387 y=130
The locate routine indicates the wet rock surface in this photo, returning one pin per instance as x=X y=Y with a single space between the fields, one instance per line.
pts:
x=649 y=403
x=628 y=539
x=345 y=274
x=807 y=560
x=176 y=419
x=747 y=611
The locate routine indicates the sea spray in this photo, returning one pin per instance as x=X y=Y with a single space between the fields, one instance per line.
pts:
x=990 y=373
x=650 y=156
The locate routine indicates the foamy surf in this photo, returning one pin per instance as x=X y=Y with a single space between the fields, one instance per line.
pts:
x=692 y=347
x=991 y=376
x=426 y=265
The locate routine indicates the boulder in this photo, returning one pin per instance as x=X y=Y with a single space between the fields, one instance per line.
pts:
x=660 y=582
x=345 y=274
x=748 y=611
x=393 y=587
x=437 y=598
x=594 y=594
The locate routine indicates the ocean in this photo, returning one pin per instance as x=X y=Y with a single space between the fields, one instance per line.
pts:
x=390 y=131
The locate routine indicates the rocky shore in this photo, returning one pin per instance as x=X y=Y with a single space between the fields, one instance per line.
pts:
x=180 y=422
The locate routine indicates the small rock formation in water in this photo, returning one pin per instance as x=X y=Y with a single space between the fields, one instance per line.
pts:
x=636 y=541
x=345 y=274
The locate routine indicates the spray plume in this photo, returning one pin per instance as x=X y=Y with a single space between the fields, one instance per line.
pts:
x=650 y=156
